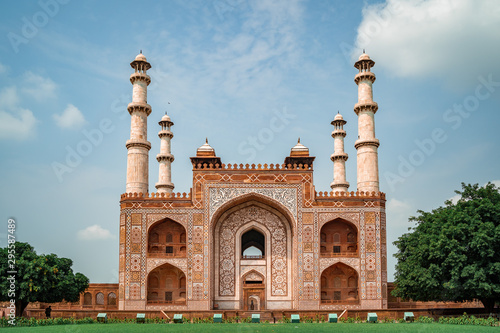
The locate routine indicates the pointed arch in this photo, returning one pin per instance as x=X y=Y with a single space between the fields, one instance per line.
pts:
x=339 y=237
x=339 y=285
x=165 y=239
x=165 y=285
x=249 y=199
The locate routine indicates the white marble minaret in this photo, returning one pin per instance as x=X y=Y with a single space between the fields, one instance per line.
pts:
x=138 y=146
x=367 y=144
x=165 y=157
x=339 y=157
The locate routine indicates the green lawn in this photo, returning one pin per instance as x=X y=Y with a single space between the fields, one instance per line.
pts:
x=323 y=327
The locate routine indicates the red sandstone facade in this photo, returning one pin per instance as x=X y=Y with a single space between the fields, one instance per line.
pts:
x=311 y=251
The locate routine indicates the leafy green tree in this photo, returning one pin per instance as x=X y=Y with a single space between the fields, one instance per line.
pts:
x=37 y=278
x=453 y=252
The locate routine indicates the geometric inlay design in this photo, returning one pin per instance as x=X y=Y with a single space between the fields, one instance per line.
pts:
x=284 y=195
x=227 y=252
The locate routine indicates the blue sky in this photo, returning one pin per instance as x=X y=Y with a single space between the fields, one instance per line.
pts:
x=230 y=69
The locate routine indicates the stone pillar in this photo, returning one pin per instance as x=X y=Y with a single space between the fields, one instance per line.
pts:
x=138 y=146
x=165 y=158
x=367 y=144
x=339 y=157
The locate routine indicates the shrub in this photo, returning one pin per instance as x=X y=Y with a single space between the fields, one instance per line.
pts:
x=468 y=320
x=425 y=319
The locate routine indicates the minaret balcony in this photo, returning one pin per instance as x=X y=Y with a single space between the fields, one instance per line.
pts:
x=165 y=133
x=361 y=76
x=165 y=157
x=138 y=143
x=339 y=156
x=365 y=106
x=167 y=186
x=338 y=132
x=139 y=107
x=140 y=77
x=366 y=142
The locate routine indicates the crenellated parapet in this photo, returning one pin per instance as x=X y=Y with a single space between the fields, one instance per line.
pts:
x=246 y=167
x=352 y=194
x=156 y=195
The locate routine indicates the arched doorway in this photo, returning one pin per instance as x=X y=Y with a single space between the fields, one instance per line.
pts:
x=339 y=285
x=253 y=285
x=167 y=285
x=338 y=238
x=167 y=239
x=252 y=236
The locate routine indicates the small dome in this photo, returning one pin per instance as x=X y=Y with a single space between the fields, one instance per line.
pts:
x=299 y=149
x=166 y=118
x=338 y=116
x=364 y=56
x=205 y=150
x=140 y=57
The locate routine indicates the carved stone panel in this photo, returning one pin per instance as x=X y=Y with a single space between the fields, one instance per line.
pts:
x=227 y=248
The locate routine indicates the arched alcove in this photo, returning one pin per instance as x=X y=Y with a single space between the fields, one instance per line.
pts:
x=339 y=285
x=167 y=238
x=339 y=238
x=166 y=285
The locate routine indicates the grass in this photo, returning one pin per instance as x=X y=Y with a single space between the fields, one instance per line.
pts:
x=277 y=328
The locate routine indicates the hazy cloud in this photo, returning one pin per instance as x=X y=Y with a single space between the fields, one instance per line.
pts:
x=399 y=211
x=9 y=98
x=94 y=232
x=15 y=123
x=70 y=118
x=38 y=87
x=18 y=126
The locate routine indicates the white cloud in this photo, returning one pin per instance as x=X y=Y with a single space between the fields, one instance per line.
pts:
x=452 y=40
x=94 y=232
x=15 y=123
x=399 y=211
x=70 y=118
x=38 y=87
x=18 y=127
x=3 y=69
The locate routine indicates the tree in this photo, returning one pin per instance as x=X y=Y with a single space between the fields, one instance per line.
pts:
x=452 y=254
x=37 y=278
